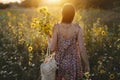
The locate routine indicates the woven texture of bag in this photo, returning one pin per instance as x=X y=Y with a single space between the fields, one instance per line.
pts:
x=48 y=68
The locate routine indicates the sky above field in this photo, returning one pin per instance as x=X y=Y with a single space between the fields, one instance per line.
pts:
x=8 y=1
x=47 y=1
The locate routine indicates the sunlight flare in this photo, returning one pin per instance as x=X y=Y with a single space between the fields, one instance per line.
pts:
x=8 y=1
x=52 y=1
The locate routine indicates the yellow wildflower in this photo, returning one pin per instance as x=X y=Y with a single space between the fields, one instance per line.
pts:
x=35 y=19
x=30 y=63
x=100 y=29
x=20 y=24
x=103 y=33
x=99 y=62
x=102 y=71
x=44 y=9
x=14 y=17
x=88 y=30
x=8 y=14
x=21 y=41
x=27 y=44
x=112 y=76
x=98 y=19
x=80 y=17
x=9 y=24
x=14 y=31
x=30 y=56
x=33 y=37
x=87 y=75
x=30 y=48
x=41 y=9
x=20 y=32
x=32 y=25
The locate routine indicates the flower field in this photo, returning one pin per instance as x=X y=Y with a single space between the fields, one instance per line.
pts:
x=23 y=41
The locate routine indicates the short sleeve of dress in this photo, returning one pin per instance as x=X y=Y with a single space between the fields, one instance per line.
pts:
x=54 y=38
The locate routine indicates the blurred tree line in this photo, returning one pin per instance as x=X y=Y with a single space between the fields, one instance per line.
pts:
x=3 y=6
x=30 y=3
x=24 y=4
x=103 y=4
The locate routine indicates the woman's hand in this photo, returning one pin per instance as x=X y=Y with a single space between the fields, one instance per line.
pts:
x=87 y=68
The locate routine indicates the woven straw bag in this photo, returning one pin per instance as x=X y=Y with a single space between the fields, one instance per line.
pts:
x=48 y=67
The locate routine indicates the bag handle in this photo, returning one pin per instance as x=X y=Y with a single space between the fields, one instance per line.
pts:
x=48 y=51
x=48 y=54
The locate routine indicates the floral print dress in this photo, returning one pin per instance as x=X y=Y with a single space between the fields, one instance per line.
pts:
x=68 y=59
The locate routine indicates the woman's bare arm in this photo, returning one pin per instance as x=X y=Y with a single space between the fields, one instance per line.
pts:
x=52 y=42
x=82 y=50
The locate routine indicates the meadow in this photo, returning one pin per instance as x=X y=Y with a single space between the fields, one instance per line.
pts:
x=23 y=41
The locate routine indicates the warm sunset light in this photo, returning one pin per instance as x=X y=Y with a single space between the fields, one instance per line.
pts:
x=8 y=1
x=52 y=1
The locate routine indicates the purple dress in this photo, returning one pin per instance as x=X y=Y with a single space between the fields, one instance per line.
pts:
x=68 y=59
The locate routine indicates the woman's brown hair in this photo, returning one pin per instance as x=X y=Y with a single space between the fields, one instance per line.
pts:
x=68 y=13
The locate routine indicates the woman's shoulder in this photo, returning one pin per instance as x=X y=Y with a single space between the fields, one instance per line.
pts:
x=56 y=25
x=77 y=26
